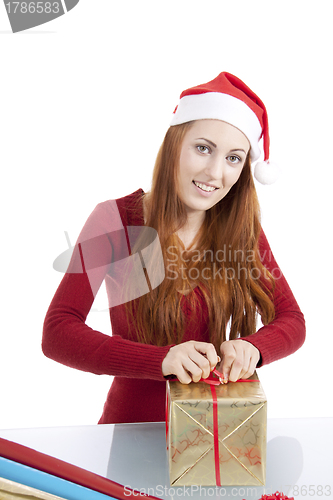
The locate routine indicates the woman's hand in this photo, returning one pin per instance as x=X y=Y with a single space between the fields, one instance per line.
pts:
x=190 y=361
x=239 y=360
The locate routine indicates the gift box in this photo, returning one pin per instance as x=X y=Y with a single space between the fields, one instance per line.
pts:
x=216 y=434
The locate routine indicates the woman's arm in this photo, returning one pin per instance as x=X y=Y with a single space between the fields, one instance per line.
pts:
x=66 y=337
x=286 y=333
x=280 y=338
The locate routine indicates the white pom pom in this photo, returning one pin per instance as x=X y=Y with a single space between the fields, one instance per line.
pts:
x=266 y=172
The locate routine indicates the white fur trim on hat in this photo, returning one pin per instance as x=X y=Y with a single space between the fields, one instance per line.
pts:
x=224 y=107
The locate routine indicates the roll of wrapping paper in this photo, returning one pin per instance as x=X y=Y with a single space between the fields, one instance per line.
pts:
x=54 y=485
x=9 y=490
x=45 y=463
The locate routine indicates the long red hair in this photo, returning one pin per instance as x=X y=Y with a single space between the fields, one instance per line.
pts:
x=230 y=230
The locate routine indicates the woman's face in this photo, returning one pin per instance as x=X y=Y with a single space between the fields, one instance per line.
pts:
x=212 y=157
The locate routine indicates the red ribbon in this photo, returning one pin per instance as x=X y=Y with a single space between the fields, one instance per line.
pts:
x=212 y=381
x=216 y=436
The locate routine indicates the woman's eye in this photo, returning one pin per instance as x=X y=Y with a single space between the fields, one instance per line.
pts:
x=203 y=149
x=234 y=159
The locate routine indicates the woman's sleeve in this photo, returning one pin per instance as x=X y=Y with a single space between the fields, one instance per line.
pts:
x=286 y=333
x=66 y=337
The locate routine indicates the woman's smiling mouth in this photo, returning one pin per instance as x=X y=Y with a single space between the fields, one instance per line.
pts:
x=204 y=187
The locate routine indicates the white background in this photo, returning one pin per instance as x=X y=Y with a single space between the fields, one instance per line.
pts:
x=85 y=102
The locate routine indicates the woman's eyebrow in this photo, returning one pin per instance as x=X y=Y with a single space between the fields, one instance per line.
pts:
x=237 y=149
x=204 y=139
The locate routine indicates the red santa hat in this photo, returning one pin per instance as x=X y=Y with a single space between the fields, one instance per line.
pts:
x=227 y=98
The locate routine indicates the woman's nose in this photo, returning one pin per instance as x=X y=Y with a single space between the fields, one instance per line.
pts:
x=216 y=167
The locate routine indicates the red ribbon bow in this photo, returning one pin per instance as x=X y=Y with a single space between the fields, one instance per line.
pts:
x=211 y=380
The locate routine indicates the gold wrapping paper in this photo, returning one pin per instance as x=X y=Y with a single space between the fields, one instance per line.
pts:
x=242 y=421
x=9 y=490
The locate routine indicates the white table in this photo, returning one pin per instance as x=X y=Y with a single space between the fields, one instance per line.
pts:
x=299 y=453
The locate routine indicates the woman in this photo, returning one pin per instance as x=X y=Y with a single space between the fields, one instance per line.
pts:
x=219 y=269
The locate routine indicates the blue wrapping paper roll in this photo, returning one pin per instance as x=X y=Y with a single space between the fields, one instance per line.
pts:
x=46 y=482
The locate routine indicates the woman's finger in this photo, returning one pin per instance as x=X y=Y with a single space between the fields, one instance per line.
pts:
x=193 y=369
x=209 y=351
x=201 y=362
x=239 y=359
x=183 y=376
x=228 y=355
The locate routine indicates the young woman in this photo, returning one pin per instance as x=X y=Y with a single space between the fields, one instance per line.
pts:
x=218 y=271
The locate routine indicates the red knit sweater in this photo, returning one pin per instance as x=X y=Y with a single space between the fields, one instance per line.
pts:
x=137 y=393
